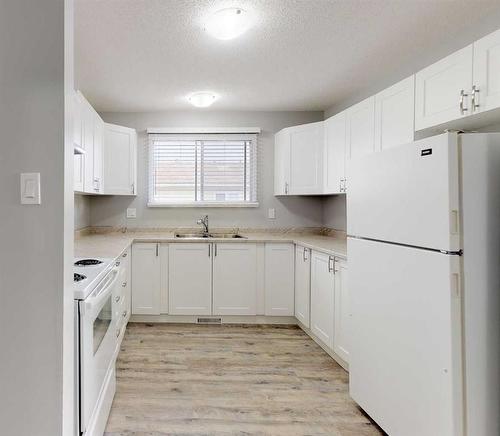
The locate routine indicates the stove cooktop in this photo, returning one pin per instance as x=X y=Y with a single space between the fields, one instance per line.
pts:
x=88 y=262
x=88 y=272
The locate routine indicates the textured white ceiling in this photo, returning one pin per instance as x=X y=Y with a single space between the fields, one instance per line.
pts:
x=147 y=55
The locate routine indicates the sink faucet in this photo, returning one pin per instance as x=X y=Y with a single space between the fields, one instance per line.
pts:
x=203 y=222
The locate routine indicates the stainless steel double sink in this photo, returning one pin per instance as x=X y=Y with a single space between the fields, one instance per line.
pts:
x=209 y=236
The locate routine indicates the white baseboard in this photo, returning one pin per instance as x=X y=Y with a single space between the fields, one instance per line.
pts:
x=226 y=319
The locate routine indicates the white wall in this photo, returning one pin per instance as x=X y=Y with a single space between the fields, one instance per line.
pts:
x=334 y=212
x=82 y=211
x=35 y=282
x=290 y=212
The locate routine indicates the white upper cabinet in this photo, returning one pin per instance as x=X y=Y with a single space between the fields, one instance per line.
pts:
x=306 y=159
x=279 y=279
x=335 y=150
x=442 y=90
x=298 y=160
x=98 y=154
x=342 y=318
x=395 y=115
x=322 y=297
x=302 y=284
x=235 y=279
x=120 y=150
x=485 y=94
x=360 y=129
x=282 y=162
x=190 y=279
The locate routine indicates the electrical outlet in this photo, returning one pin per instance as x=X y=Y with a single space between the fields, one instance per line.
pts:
x=132 y=212
x=271 y=214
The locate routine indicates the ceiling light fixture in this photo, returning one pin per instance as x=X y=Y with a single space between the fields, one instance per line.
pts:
x=202 y=99
x=228 y=23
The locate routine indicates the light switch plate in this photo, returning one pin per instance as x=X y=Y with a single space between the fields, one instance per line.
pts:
x=271 y=213
x=132 y=212
x=30 y=188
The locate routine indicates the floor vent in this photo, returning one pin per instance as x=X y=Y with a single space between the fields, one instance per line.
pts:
x=209 y=320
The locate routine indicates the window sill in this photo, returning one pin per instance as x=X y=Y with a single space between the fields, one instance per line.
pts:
x=203 y=205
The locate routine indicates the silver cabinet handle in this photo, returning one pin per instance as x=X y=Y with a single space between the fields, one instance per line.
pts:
x=133 y=187
x=124 y=255
x=474 y=97
x=117 y=263
x=286 y=187
x=335 y=270
x=215 y=250
x=117 y=298
x=124 y=313
x=462 y=107
x=124 y=284
x=209 y=249
x=330 y=268
x=304 y=255
x=118 y=333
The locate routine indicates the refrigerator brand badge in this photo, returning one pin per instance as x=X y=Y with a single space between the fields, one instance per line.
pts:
x=426 y=152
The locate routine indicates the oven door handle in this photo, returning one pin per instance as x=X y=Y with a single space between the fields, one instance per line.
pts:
x=103 y=290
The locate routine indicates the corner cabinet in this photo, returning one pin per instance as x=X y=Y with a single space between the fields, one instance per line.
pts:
x=105 y=160
x=120 y=154
x=298 y=160
x=335 y=154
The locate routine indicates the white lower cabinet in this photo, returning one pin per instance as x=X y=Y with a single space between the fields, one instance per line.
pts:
x=342 y=318
x=190 y=279
x=302 y=284
x=279 y=279
x=235 y=279
x=322 y=297
x=146 y=279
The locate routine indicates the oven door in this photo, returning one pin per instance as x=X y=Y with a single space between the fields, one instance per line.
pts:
x=97 y=342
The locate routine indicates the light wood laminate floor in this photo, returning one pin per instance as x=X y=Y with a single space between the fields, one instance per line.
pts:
x=180 y=379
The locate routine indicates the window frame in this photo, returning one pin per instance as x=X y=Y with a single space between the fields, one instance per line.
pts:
x=251 y=137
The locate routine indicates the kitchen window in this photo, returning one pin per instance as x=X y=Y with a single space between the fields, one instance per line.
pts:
x=203 y=170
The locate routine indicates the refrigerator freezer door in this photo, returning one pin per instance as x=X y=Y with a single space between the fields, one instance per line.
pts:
x=408 y=194
x=405 y=365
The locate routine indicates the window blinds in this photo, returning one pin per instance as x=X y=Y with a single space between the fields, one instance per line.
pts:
x=205 y=169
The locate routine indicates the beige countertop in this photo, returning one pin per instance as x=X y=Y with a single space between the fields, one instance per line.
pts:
x=112 y=244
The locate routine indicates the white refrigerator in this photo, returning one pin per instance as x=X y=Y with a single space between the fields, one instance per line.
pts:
x=423 y=224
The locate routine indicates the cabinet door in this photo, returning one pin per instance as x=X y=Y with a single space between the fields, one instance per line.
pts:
x=360 y=128
x=120 y=145
x=146 y=279
x=279 y=279
x=487 y=72
x=88 y=145
x=322 y=297
x=79 y=159
x=282 y=162
x=306 y=159
x=235 y=279
x=302 y=284
x=98 y=153
x=335 y=149
x=342 y=311
x=395 y=114
x=190 y=279
x=438 y=88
